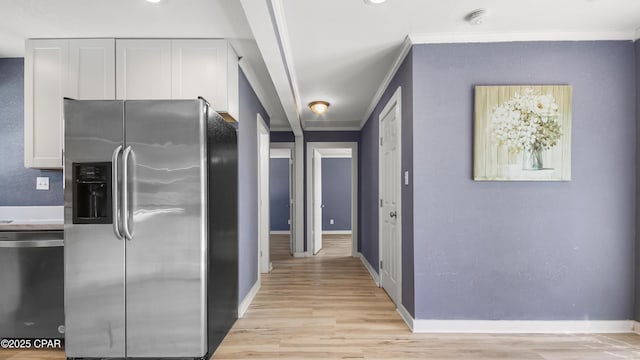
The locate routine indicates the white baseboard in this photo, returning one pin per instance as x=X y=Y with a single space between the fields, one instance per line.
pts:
x=404 y=314
x=337 y=232
x=299 y=254
x=518 y=326
x=280 y=232
x=244 y=305
x=636 y=327
x=372 y=271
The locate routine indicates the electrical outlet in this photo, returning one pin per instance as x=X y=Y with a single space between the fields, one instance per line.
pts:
x=42 y=183
x=289 y=221
x=331 y=221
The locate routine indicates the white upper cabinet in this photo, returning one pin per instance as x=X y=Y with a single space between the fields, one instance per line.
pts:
x=206 y=68
x=55 y=69
x=92 y=71
x=143 y=69
x=104 y=69
x=45 y=84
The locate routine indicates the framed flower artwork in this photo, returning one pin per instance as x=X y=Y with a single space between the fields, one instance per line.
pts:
x=522 y=133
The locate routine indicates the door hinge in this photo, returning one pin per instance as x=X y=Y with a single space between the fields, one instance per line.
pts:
x=380 y=141
x=381 y=204
x=380 y=264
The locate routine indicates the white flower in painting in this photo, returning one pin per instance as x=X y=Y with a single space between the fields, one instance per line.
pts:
x=527 y=122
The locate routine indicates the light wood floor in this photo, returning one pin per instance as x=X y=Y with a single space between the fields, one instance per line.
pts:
x=327 y=307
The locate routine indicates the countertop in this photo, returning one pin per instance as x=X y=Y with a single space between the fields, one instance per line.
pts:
x=30 y=227
x=31 y=218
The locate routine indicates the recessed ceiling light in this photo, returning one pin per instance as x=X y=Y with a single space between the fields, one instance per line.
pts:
x=374 y=2
x=319 y=107
x=154 y=1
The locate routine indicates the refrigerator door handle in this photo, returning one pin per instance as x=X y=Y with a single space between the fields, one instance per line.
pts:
x=125 y=193
x=116 y=206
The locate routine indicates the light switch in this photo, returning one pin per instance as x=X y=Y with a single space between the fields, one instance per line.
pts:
x=42 y=183
x=406 y=178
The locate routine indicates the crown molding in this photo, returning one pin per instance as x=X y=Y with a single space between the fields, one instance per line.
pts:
x=331 y=125
x=333 y=128
x=453 y=38
x=404 y=50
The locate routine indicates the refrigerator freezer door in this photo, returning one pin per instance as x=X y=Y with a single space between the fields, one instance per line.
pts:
x=166 y=256
x=94 y=257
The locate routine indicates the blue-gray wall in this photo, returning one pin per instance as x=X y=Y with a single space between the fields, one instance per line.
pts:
x=336 y=193
x=282 y=136
x=637 y=279
x=18 y=184
x=248 y=186
x=279 y=208
x=525 y=250
x=368 y=174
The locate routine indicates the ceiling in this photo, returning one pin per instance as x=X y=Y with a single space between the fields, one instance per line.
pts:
x=341 y=51
x=23 y=19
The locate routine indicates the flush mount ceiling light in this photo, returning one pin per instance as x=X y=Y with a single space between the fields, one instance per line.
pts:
x=319 y=107
x=374 y=2
x=477 y=17
x=154 y=1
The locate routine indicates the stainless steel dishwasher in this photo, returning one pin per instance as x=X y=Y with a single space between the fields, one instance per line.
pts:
x=31 y=284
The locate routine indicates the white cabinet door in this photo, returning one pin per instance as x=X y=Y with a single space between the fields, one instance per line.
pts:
x=92 y=69
x=143 y=69
x=54 y=69
x=45 y=85
x=206 y=68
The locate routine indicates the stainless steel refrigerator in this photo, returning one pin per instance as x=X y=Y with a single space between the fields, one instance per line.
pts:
x=150 y=240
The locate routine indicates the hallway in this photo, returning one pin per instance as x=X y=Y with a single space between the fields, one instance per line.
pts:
x=328 y=307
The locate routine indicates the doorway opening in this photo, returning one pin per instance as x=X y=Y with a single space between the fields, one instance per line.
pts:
x=281 y=200
x=332 y=198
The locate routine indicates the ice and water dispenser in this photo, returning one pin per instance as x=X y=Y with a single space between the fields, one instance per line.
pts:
x=92 y=193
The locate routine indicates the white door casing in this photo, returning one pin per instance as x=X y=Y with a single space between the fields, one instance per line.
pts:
x=292 y=203
x=390 y=224
x=317 y=202
x=286 y=150
x=322 y=147
x=264 y=262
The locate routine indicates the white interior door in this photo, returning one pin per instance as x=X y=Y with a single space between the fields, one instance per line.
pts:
x=390 y=243
x=263 y=197
x=317 y=202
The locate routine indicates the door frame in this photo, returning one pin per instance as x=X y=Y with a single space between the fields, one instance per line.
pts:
x=311 y=148
x=263 y=135
x=290 y=146
x=395 y=100
x=317 y=203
